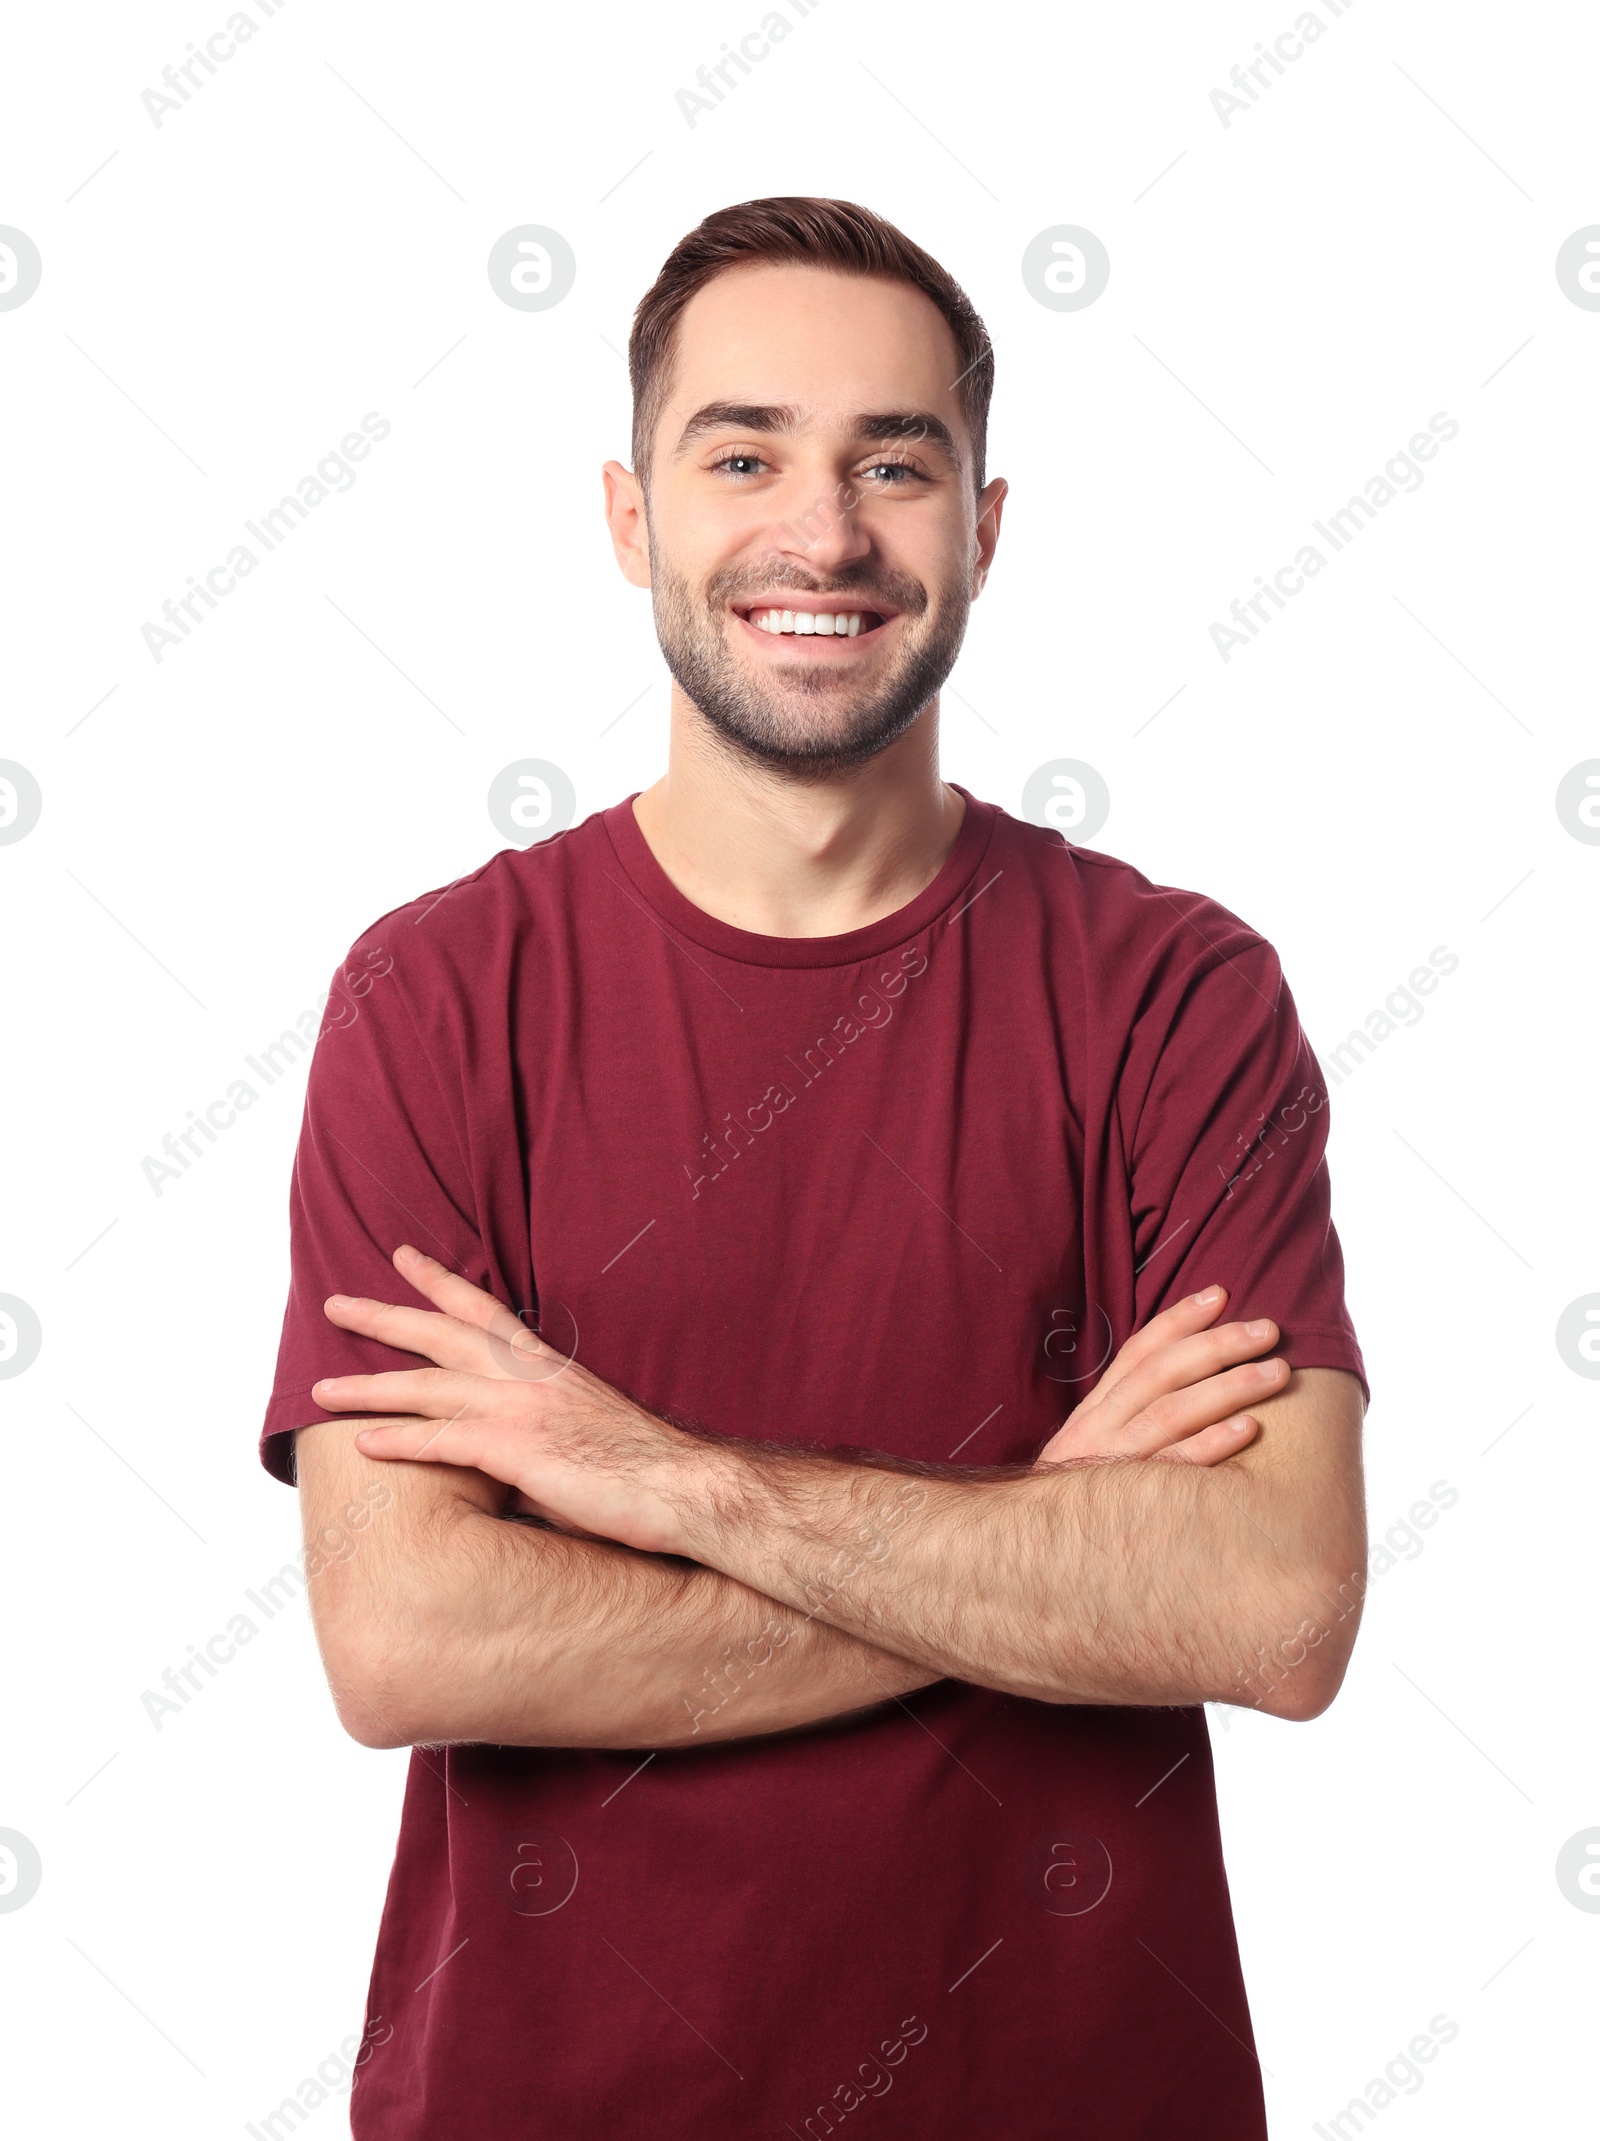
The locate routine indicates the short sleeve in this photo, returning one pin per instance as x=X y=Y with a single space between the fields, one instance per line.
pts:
x=380 y=1161
x=1227 y=1145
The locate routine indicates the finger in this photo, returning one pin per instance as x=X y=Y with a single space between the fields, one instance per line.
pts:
x=515 y=1350
x=1193 y=1313
x=443 y=1339
x=1181 y=1364
x=1116 y=1429
x=457 y=1296
x=1213 y=1445
x=430 y=1393
x=491 y=1446
x=1178 y=1414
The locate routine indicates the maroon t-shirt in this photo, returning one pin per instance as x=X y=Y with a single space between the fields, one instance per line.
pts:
x=906 y=1188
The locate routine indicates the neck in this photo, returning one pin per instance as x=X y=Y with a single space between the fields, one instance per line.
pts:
x=786 y=856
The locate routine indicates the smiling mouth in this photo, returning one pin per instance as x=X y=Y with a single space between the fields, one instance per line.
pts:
x=848 y=621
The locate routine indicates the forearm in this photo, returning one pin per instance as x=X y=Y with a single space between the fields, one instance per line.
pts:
x=1110 y=1582
x=520 y=1636
x=1108 y=1578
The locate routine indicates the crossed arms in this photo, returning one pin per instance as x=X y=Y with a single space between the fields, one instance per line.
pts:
x=680 y=1588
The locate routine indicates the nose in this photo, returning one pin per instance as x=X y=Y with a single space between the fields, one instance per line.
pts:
x=826 y=533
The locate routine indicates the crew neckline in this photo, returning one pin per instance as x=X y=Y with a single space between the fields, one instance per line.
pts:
x=749 y=947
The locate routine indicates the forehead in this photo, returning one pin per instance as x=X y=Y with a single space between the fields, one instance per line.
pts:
x=828 y=344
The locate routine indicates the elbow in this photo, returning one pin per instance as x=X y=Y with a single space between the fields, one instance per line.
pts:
x=368 y=1724
x=1298 y=1671
x=378 y=1687
x=1304 y=1693
x=369 y=1700
x=392 y=1628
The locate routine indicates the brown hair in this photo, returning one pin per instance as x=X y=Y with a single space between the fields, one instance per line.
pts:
x=814 y=233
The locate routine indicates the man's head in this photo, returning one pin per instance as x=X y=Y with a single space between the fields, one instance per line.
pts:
x=810 y=401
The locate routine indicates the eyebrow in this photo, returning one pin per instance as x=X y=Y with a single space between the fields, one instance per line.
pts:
x=779 y=417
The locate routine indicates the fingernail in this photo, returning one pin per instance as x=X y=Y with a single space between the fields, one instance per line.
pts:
x=1259 y=1328
x=1267 y=1370
x=341 y=1300
x=1205 y=1299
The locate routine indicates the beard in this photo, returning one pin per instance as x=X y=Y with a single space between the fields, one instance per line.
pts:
x=812 y=720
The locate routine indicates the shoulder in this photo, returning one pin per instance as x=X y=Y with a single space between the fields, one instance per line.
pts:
x=1129 y=926
x=453 y=937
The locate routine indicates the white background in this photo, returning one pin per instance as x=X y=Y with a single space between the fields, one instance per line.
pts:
x=1292 y=296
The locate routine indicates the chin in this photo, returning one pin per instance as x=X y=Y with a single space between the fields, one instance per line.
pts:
x=797 y=741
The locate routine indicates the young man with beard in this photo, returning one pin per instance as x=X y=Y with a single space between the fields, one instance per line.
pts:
x=784 y=1155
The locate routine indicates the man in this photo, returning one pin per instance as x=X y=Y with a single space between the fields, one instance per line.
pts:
x=822 y=1190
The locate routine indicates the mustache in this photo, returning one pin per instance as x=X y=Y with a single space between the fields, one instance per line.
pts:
x=899 y=590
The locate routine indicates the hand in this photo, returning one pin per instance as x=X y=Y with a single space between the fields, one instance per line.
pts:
x=1174 y=1390
x=500 y=1400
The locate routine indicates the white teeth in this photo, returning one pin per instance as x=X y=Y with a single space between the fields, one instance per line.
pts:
x=843 y=624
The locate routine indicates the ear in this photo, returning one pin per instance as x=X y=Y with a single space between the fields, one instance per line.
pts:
x=990 y=501
x=625 y=517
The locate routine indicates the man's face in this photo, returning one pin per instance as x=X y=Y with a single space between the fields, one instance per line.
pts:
x=815 y=539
